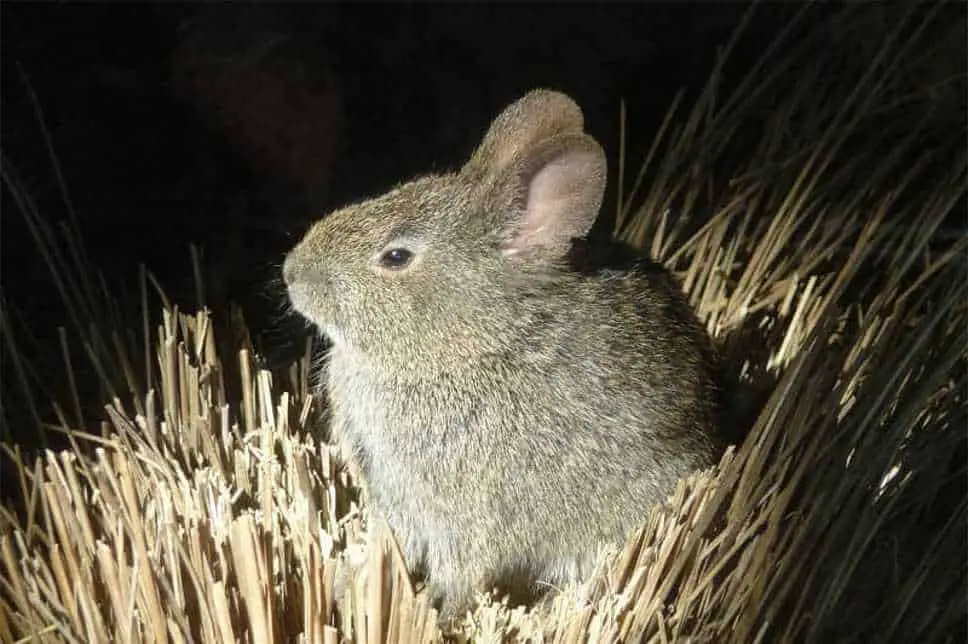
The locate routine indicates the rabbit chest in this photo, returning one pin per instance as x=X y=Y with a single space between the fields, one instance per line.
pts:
x=409 y=444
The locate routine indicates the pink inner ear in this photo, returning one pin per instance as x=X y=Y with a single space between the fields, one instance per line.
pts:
x=563 y=200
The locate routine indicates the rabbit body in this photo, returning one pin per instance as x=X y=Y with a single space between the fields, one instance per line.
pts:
x=512 y=405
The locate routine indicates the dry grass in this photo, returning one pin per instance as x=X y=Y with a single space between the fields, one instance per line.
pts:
x=193 y=514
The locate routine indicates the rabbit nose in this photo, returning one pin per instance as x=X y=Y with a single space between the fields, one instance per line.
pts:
x=290 y=269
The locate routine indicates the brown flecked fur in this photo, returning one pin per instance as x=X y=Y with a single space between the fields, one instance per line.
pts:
x=512 y=404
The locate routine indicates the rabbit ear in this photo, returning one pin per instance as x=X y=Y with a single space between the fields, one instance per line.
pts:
x=556 y=191
x=535 y=117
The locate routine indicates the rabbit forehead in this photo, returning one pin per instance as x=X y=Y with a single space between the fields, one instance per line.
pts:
x=423 y=210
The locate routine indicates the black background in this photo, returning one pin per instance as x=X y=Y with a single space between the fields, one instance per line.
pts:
x=417 y=85
x=150 y=167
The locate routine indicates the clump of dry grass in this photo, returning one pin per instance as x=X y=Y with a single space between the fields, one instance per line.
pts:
x=195 y=515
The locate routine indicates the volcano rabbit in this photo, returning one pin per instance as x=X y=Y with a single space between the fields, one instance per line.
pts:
x=512 y=406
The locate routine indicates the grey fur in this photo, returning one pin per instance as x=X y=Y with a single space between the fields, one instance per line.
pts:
x=510 y=412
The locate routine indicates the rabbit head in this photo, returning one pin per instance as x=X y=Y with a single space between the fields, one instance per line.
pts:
x=434 y=272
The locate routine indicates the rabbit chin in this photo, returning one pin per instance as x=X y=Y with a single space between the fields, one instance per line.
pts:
x=333 y=333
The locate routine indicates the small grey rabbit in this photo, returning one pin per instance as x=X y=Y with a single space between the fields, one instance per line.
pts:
x=512 y=405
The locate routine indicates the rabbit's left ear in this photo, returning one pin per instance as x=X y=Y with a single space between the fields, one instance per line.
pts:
x=555 y=191
x=537 y=116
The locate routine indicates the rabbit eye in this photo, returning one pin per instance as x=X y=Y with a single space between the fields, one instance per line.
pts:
x=396 y=258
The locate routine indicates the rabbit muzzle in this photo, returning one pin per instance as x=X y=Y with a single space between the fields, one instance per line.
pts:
x=299 y=284
x=291 y=270
x=306 y=285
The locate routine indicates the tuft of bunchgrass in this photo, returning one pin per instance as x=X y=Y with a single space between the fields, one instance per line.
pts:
x=816 y=250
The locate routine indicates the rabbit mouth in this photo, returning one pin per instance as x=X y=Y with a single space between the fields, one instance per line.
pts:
x=300 y=294
x=305 y=302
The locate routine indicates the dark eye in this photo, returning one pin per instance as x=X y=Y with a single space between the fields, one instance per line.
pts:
x=396 y=258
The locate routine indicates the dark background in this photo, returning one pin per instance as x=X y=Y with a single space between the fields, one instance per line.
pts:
x=236 y=125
